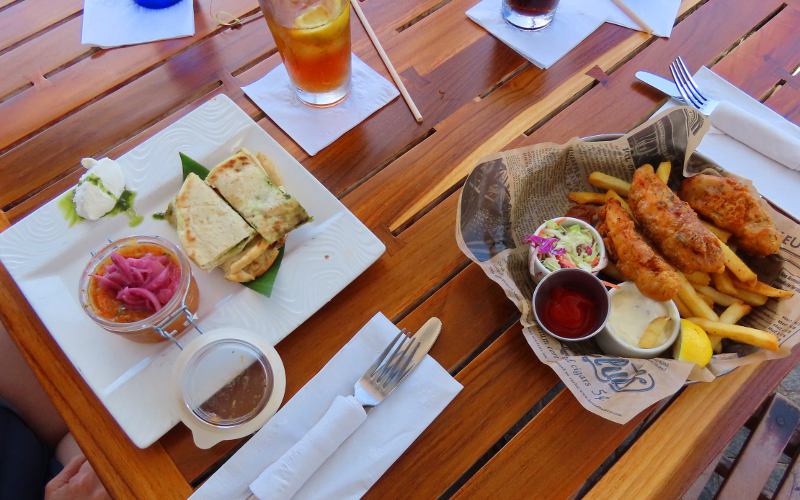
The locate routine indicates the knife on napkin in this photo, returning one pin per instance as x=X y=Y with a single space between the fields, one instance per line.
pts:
x=283 y=478
x=751 y=131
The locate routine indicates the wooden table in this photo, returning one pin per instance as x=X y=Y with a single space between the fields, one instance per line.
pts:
x=513 y=431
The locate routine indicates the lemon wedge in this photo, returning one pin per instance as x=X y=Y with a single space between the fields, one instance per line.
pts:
x=693 y=344
x=318 y=15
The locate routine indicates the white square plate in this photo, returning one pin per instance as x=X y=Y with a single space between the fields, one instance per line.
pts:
x=46 y=258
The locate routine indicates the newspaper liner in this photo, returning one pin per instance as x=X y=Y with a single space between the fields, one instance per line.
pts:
x=509 y=194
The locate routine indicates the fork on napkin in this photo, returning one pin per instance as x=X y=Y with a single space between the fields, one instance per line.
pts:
x=361 y=460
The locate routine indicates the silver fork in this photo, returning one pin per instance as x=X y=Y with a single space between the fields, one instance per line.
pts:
x=689 y=89
x=344 y=416
x=391 y=367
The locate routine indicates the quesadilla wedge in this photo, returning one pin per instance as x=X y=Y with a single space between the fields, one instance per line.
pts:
x=245 y=184
x=209 y=230
x=253 y=261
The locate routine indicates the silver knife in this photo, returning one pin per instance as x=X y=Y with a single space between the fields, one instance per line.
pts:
x=659 y=83
x=283 y=478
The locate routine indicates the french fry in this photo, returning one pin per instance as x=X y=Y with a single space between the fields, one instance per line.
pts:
x=735 y=312
x=762 y=288
x=717 y=297
x=716 y=343
x=605 y=181
x=682 y=309
x=723 y=283
x=587 y=198
x=722 y=234
x=744 y=334
x=699 y=278
x=693 y=301
x=613 y=194
x=663 y=171
x=752 y=298
x=705 y=298
x=737 y=267
x=731 y=316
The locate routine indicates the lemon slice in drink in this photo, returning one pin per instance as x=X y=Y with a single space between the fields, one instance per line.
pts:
x=319 y=16
x=693 y=344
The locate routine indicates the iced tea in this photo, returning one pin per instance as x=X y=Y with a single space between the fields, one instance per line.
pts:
x=313 y=38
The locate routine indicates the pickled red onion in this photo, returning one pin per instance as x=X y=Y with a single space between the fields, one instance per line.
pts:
x=146 y=282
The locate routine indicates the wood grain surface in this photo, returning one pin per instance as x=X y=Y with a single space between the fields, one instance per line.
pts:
x=513 y=432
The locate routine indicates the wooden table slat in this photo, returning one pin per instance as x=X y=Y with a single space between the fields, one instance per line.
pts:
x=401 y=178
x=27 y=18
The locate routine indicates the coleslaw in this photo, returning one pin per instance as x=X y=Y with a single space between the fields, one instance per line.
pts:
x=560 y=247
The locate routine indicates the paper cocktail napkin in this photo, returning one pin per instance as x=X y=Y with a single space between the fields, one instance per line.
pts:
x=354 y=467
x=775 y=181
x=570 y=26
x=658 y=14
x=315 y=128
x=574 y=20
x=112 y=23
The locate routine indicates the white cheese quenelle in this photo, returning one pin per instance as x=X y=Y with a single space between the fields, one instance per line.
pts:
x=99 y=189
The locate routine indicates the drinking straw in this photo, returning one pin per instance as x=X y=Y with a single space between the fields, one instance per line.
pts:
x=633 y=15
x=386 y=62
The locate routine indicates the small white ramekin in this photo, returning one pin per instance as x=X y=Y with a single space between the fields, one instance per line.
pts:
x=613 y=345
x=537 y=269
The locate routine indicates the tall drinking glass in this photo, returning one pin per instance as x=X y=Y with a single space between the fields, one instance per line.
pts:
x=529 y=14
x=313 y=38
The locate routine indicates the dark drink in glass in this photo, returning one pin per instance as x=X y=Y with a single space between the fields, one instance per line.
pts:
x=529 y=14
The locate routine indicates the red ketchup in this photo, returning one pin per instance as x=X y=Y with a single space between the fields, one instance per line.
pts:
x=569 y=312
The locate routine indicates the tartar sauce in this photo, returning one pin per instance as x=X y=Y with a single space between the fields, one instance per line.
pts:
x=631 y=312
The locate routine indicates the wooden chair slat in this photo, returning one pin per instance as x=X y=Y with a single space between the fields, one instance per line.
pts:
x=762 y=451
x=693 y=430
x=790 y=485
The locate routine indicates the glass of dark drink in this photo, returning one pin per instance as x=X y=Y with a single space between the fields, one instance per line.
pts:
x=529 y=14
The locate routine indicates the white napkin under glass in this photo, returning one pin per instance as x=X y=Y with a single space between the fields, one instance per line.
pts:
x=570 y=26
x=390 y=428
x=315 y=128
x=114 y=23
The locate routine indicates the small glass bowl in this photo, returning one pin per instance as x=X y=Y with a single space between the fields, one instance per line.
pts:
x=172 y=318
x=227 y=383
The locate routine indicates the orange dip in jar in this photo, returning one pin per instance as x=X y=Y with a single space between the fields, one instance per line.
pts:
x=138 y=284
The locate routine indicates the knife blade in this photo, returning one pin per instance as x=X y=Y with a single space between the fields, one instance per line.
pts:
x=426 y=335
x=659 y=83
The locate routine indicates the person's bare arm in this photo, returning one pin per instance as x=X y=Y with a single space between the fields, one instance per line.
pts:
x=20 y=389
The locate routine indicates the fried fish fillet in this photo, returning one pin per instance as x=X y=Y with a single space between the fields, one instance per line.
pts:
x=637 y=260
x=673 y=226
x=730 y=205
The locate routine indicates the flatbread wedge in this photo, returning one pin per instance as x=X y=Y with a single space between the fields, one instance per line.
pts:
x=253 y=261
x=245 y=184
x=209 y=230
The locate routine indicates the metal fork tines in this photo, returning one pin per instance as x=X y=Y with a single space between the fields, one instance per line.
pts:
x=388 y=371
x=688 y=88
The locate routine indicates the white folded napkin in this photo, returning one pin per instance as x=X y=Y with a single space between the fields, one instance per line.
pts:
x=758 y=134
x=112 y=23
x=315 y=128
x=571 y=24
x=361 y=460
x=753 y=160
